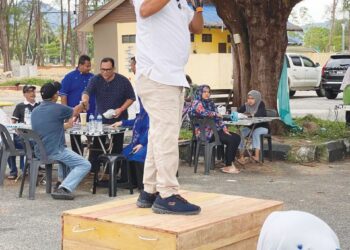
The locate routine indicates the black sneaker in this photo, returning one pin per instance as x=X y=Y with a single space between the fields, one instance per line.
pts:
x=62 y=194
x=146 y=200
x=174 y=204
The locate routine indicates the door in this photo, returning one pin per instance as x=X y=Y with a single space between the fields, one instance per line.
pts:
x=297 y=72
x=312 y=73
x=222 y=48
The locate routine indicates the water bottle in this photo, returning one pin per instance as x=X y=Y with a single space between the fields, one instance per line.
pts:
x=91 y=125
x=27 y=116
x=99 y=125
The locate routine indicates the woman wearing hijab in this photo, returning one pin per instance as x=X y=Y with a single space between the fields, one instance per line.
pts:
x=203 y=106
x=254 y=107
x=296 y=230
x=136 y=151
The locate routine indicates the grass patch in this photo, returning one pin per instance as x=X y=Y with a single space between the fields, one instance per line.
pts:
x=29 y=81
x=320 y=131
x=185 y=134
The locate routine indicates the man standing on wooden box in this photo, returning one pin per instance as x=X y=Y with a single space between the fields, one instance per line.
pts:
x=163 y=46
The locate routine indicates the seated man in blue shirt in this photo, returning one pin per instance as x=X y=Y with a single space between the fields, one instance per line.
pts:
x=48 y=120
x=112 y=91
x=73 y=86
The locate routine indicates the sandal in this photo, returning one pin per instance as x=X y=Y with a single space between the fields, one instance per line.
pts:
x=255 y=160
x=230 y=170
x=242 y=161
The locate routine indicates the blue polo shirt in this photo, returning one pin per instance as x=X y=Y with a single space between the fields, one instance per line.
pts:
x=73 y=86
x=48 y=121
x=110 y=95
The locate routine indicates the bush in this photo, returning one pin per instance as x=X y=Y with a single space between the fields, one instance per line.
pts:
x=29 y=81
x=323 y=130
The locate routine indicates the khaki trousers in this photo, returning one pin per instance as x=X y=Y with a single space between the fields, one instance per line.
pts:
x=163 y=104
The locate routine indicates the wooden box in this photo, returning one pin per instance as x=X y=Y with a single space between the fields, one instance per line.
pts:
x=226 y=222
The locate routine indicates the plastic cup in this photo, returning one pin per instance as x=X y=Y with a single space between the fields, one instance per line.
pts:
x=83 y=118
x=234 y=116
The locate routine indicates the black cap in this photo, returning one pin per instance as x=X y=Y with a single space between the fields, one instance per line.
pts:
x=48 y=90
x=27 y=88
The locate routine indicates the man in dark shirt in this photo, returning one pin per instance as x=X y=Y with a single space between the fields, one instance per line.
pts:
x=18 y=117
x=112 y=91
x=48 y=120
x=73 y=86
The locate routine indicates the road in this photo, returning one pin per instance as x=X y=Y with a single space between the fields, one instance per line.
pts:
x=307 y=102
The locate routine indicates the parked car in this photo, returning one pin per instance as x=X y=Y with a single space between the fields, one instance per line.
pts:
x=333 y=73
x=303 y=74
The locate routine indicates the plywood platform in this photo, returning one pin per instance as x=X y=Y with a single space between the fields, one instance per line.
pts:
x=226 y=222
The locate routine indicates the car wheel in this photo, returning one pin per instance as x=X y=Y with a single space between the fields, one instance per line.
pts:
x=321 y=92
x=330 y=94
x=291 y=93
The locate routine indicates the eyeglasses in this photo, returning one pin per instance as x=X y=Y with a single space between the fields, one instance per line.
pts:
x=179 y=4
x=106 y=70
x=252 y=98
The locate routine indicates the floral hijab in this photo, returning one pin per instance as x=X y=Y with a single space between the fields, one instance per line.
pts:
x=207 y=104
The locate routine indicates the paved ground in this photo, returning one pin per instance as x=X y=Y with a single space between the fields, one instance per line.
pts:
x=307 y=102
x=322 y=190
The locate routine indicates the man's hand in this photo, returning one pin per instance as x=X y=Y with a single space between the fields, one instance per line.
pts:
x=197 y=4
x=85 y=105
x=68 y=124
x=79 y=109
x=117 y=124
x=118 y=112
x=136 y=149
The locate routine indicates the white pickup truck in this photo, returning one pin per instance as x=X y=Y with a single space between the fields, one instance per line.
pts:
x=303 y=74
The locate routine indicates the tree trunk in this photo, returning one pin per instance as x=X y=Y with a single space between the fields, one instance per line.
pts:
x=4 y=39
x=69 y=31
x=260 y=40
x=331 y=33
x=63 y=47
x=81 y=36
x=38 y=56
x=25 y=49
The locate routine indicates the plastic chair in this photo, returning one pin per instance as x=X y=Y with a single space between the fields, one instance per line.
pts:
x=114 y=163
x=268 y=137
x=31 y=138
x=8 y=149
x=209 y=152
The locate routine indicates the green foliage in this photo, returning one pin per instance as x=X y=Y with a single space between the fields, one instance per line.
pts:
x=185 y=134
x=29 y=81
x=326 y=130
x=52 y=50
x=317 y=38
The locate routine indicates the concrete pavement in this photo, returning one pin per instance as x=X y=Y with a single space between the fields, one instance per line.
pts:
x=322 y=190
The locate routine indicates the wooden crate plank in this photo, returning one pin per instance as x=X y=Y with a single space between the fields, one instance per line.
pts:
x=248 y=244
x=114 y=236
x=226 y=232
x=224 y=221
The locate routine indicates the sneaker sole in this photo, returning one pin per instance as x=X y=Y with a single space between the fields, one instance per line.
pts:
x=62 y=197
x=161 y=210
x=141 y=204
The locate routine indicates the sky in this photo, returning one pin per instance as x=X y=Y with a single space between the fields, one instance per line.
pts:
x=317 y=8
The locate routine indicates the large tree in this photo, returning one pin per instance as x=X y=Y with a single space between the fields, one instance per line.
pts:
x=4 y=38
x=81 y=36
x=259 y=28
